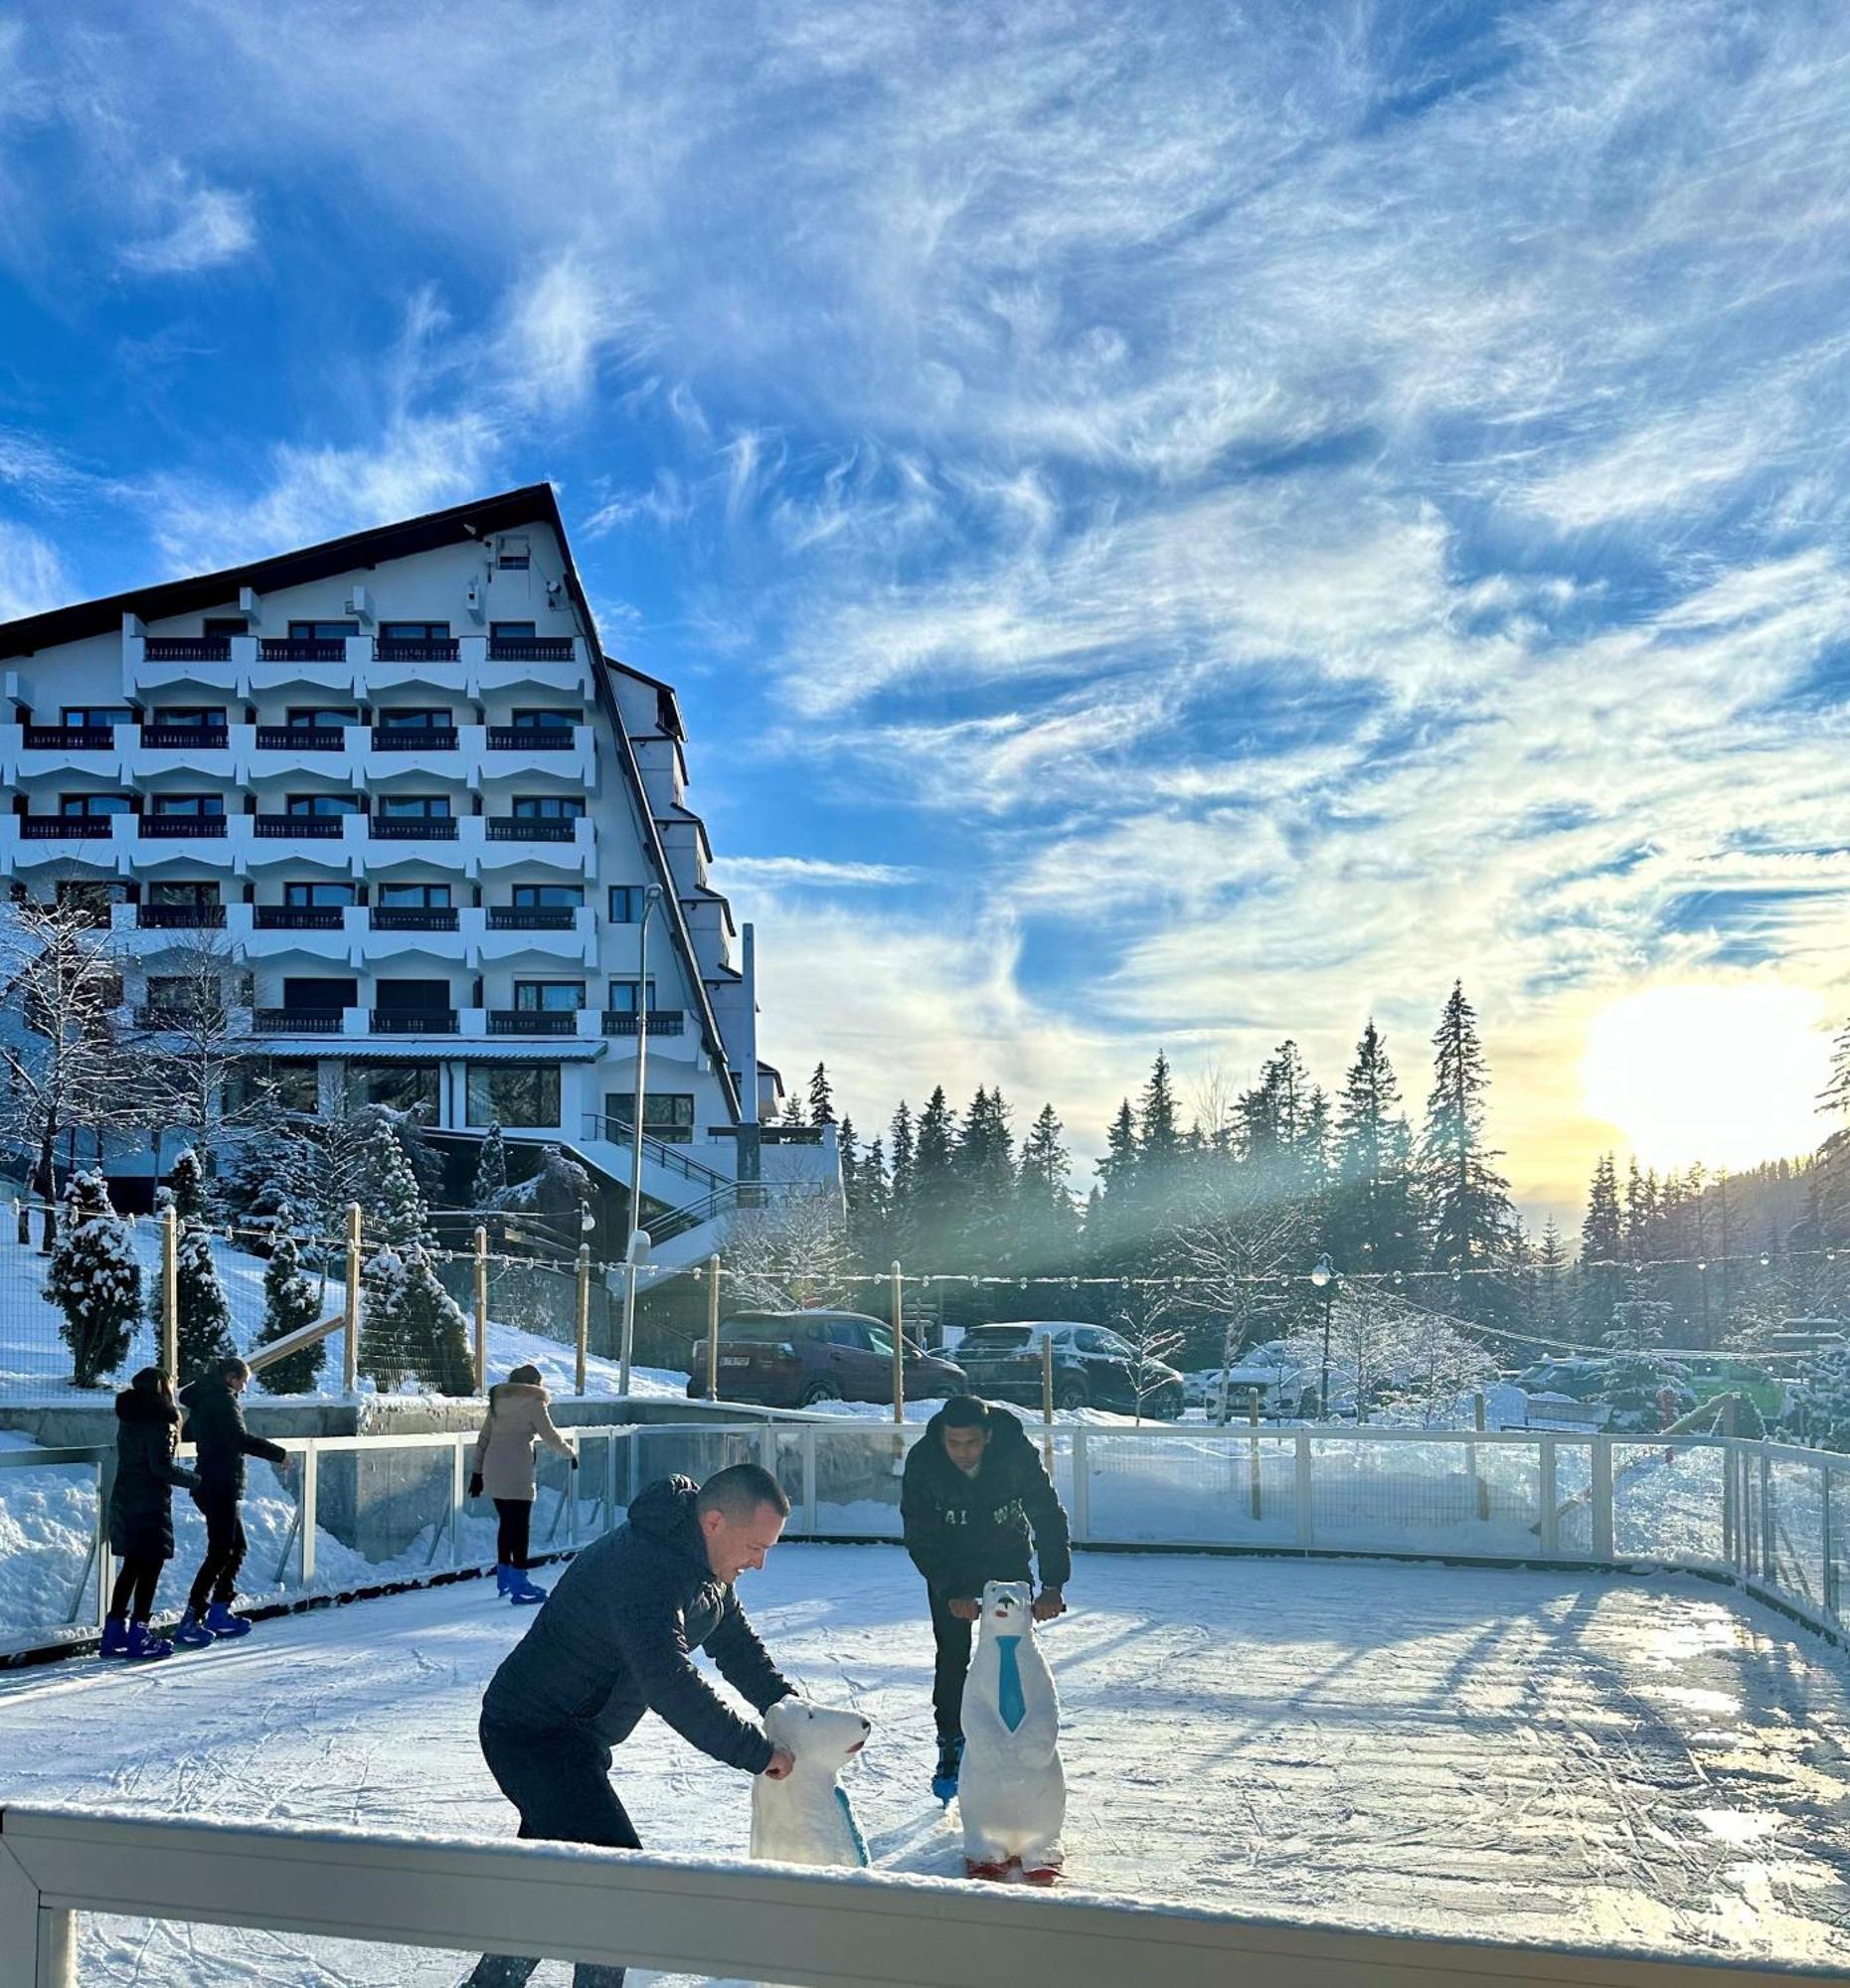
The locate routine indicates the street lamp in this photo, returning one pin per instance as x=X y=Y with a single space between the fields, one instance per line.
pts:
x=651 y=900
x=1323 y=1278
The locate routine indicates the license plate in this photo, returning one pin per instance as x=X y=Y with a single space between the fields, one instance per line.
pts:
x=735 y=1360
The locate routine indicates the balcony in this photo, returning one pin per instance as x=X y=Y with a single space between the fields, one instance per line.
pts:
x=174 y=827
x=402 y=739
x=435 y=649
x=298 y=1021
x=529 y=649
x=188 y=648
x=180 y=917
x=414 y=828
x=532 y=1022
x=296 y=649
x=508 y=828
x=532 y=738
x=532 y=918
x=414 y=919
x=661 y=1021
x=301 y=738
x=414 y=1021
x=311 y=827
x=186 y=737
x=297 y=917
x=69 y=738
x=55 y=827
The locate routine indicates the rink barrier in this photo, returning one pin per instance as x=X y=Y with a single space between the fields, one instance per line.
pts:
x=760 y=1922
x=1768 y=1518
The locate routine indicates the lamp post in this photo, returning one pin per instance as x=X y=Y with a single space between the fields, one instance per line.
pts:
x=1323 y=1278
x=651 y=898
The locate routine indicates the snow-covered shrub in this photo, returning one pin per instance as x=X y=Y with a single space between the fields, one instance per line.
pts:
x=490 y=1170
x=1818 y=1410
x=186 y=1186
x=1644 y=1392
x=412 y=1328
x=95 y=1280
x=291 y=1300
x=205 y=1328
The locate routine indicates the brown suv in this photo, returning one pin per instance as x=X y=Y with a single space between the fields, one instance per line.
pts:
x=791 y=1359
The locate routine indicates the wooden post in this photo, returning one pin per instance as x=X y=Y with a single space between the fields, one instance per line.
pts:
x=713 y=1327
x=350 y=1355
x=1253 y=1446
x=170 y=1294
x=1047 y=1380
x=1481 y=1489
x=583 y=1334
x=481 y=1311
x=898 y=1348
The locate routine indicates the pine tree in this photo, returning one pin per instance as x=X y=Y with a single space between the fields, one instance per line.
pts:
x=984 y=1166
x=850 y=1162
x=397 y=1213
x=1602 y=1244
x=1046 y=1221
x=870 y=1213
x=1640 y=1207
x=821 y=1098
x=900 y=1180
x=412 y=1327
x=934 y=1198
x=1111 y=1213
x=1159 y=1142
x=290 y=1302
x=1472 y=1217
x=1551 y=1270
x=205 y=1318
x=490 y=1182
x=95 y=1279
x=186 y=1185
x=1375 y=1224
x=793 y=1113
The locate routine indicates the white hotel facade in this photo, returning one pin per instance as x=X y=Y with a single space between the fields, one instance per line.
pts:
x=398 y=773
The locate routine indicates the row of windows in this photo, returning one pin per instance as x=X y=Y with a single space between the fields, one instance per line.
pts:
x=316 y=995
x=626 y=900
x=208 y=718
x=493 y=1093
x=319 y=807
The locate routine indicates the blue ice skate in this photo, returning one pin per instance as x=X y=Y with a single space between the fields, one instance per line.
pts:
x=222 y=1623
x=949 y=1761
x=144 y=1645
x=193 y=1634
x=114 y=1638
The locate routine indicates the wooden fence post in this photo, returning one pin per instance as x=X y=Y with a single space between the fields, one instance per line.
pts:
x=583 y=1333
x=481 y=1311
x=349 y=1355
x=713 y=1327
x=170 y=1294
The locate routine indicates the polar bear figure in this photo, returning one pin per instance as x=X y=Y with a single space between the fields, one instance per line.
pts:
x=806 y=1818
x=1012 y=1792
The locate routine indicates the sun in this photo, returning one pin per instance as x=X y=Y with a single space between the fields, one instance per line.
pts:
x=1728 y=1074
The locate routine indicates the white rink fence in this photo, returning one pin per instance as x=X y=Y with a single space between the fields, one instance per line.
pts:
x=360 y=1514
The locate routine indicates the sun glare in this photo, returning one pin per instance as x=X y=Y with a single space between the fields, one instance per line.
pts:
x=1729 y=1075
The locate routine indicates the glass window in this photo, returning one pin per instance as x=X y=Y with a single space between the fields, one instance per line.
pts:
x=516 y=632
x=878 y=1341
x=319 y=895
x=188 y=804
x=194 y=717
x=183 y=893
x=92 y=894
x=411 y=719
x=415 y=896
x=97 y=715
x=226 y=624
x=410 y=996
x=514 y=555
x=623 y=996
x=93 y=804
x=668 y=1115
x=322 y=631
x=544 y=720
x=548 y=807
x=178 y=990
x=414 y=631
x=625 y=903
x=548 y=997
x=547 y=896
x=404 y=1086
x=513 y=1094
x=318 y=996
x=321 y=718
x=322 y=804
x=415 y=807
x=297 y=1085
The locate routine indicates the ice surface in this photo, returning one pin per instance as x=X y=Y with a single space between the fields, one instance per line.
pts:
x=1518 y=1755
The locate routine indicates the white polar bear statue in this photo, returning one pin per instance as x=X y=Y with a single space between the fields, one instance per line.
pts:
x=1012 y=1791
x=807 y=1818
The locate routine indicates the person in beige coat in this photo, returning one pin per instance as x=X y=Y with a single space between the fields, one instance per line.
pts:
x=503 y=1468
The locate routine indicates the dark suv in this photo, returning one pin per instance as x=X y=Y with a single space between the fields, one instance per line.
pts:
x=1093 y=1368
x=792 y=1359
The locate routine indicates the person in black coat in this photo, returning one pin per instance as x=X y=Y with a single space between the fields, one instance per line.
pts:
x=147 y=1426
x=214 y=1424
x=973 y=1497
x=612 y=1641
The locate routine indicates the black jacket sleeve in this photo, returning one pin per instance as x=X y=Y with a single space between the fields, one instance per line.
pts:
x=744 y=1662
x=1040 y=1503
x=653 y=1638
x=256 y=1445
x=921 y=1525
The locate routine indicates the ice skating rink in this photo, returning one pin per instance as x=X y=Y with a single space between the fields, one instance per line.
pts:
x=1525 y=1756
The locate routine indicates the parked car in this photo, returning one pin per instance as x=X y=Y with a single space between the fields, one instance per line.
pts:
x=794 y=1358
x=1093 y=1368
x=1278 y=1390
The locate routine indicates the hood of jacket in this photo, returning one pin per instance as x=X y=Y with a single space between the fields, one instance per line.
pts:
x=665 y=1513
x=133 y=1406
x=516 y=1390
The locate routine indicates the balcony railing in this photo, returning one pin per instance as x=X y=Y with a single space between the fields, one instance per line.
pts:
x=529 y=738
x=69 y=738
x=298 y=1021
x=532 y=1022
x=180 y=917
x=523 y=828
x=530 y=918
x=302 y=738
x=413 y=918
x=153 y=827
x=414 y=828
x=299 y=649
x=403 y=739
x=530 y=648
x=49 y=827
x=431 y=649
x=297 y=917
x=414 y=1021
x=188 y=648
x=663 y=1022
x=311 y=827
x=620 y=1133
x=183 y=737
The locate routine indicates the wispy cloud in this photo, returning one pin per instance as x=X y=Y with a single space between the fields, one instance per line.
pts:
x=32 y=575
x=204 y=226
x=769 y=872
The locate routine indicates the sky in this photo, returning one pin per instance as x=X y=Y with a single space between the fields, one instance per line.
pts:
x=1174 y=525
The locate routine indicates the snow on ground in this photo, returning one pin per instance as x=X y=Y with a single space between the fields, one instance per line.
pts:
x=1522 y=1755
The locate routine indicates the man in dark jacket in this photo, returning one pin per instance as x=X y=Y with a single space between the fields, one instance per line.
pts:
x=614 y=1641
x=973 y=1494
x=215 y=1426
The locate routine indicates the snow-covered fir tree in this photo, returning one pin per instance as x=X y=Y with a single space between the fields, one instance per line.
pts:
x=186 y=1185
x=1601 y=1281
x=1817 y=1410
x=204 y=1327
x=291 y=1300
x=1046 y=1222
x=1469 y=1212
x=821 y=1098
x=1374 y=1221
x=95 y=1280
x=490 y=1182
x=411 y=1327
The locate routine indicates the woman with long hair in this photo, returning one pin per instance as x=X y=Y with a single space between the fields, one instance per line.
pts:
x=517 y=1418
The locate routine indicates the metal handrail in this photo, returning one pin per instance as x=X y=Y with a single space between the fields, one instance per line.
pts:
x=618 y=1131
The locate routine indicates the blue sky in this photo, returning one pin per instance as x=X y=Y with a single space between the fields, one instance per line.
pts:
x=1173 y=524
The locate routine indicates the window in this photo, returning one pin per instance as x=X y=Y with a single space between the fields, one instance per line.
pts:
x=296 y=1085
x=625 y=903
x=226 y=624
x=410 y=996
x=548 y=807
x=668 y=1115
x=414 y=631
x=548 y=997
x=183 y=893
x=404 y=1086
x=93 y=804
x=623 y=996
x=179 y=993
x=322 y=631
x=191 y=717
x=413 y=720
x=321 y=718
x=513 y=556
x=512 y=631
x=878 y=1341
x=544 y=720
x=204 y=806
x=319 y=996
x=92 y=894
x=547 y=896
x=322 y=805
x=513 y=1094
x=319 y=896
x=97 y=715
x=415 y=807
x=415 y=896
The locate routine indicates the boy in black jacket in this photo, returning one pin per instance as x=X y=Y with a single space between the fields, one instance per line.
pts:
x=215 y=1426
x=973 y=1494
